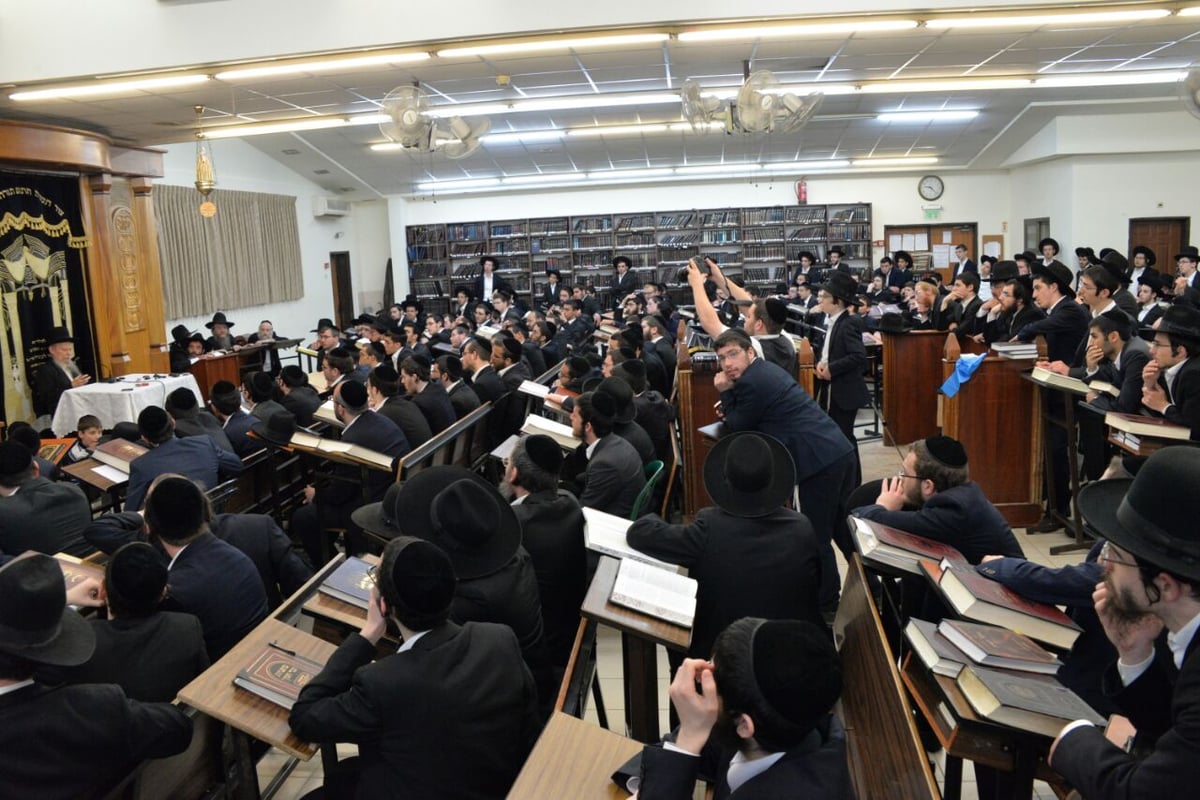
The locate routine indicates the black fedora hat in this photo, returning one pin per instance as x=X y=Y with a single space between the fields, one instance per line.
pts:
x=180 y=333
x=323 y=322
x=461 y=513
x=1142 y=250
x=380 y=518
x=1003 y=272
x=35 y=623
x=841 y=286
x=1180 y=319
x=277 y=429
x=622 y=395
x=1117 y=266
x=1048 y=241
x=1190 y=252
x=57 y=335
x=836 y=249
x=1086 y=252
x=218 y=319
x=749 y=474
x=891 y=322
x=1055 y=273
x=905 y=255
x=1148 y=515
x=1155 y=281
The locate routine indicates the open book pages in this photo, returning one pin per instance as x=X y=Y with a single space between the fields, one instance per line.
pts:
x=557 y=431
x=657 y=592
x=605 y=533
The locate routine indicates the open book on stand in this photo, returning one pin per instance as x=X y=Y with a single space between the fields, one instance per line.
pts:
x=654 y=591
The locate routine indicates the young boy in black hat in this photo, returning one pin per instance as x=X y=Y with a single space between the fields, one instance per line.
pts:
x=756 y=718
x=72 y=741
x=1151 y=586
x=749 y=532
x=1171 y=380
x=452 y=714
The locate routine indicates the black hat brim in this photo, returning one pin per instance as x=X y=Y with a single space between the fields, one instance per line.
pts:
x=1100 y=504
x=71 y=646
x=758 y=503
x=413 y=512
x=263 y=432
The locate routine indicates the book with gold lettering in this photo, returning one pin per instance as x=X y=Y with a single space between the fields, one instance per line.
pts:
x=1035 y=703
x=118 y=453
x=76 y=571
x=277 y=675
x=350 y=582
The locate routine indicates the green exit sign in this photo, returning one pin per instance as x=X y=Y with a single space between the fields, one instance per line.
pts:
x=933 y=213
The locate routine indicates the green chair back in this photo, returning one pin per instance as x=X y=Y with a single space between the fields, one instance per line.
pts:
x=654 y=473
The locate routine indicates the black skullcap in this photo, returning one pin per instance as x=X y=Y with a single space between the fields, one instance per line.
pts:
x=386 y=372
x=174 y=509
x=797 y=670
x=262 y=383
x=136 y=575
x=603 y=405
x=634 y=373
x=182 y=399
x=453 y=367
x=223 y=389
x=512 y=347
x=14 y=458
x=153 y=423
x=292 y=375
x=544 y=452
x=353 y=395
x=421 y=360
x=946 y=450
x=579 y=367
x=776 y=310
x=378 y=349
x=423 y=580
x=632 y=335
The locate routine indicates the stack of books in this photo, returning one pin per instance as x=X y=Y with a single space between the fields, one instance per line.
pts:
x=1015 y=349
x=1133 y=428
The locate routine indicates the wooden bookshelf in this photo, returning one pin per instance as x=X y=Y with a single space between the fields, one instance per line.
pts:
x=761 y=246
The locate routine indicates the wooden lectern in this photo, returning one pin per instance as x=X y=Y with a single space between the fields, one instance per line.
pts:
x=997 y=418
x=210 y=369
x=912 y=374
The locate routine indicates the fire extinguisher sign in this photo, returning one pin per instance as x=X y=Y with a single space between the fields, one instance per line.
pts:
x=802 y=191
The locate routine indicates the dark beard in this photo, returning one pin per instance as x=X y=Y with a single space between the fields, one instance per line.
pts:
x=1121 y=606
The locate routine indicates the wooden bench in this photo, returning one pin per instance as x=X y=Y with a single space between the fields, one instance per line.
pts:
x=463 y=444
x=887 y=760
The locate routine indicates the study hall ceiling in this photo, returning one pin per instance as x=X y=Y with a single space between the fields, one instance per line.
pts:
x=846 y=127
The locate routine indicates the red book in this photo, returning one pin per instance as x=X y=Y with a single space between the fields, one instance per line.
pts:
x=883 y=545
x=998 y=647
x=1152 y=427
x=277 y=675
x=975 y=597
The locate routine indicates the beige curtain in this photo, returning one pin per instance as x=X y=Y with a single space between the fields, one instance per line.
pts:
x=246 y=255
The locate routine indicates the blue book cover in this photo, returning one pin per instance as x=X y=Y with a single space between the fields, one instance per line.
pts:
x=350 y=582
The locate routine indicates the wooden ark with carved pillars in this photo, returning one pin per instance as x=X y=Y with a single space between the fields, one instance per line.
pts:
x=123 y=277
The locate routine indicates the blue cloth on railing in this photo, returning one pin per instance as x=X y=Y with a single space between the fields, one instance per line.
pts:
x=964 y=368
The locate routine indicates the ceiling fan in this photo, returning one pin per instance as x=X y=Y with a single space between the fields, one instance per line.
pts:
x=410 y=125
x=758 y=108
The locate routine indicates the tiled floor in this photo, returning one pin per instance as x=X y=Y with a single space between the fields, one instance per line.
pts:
x=878 y=461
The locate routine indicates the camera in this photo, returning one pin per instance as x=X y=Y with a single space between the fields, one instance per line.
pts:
x=682 y=276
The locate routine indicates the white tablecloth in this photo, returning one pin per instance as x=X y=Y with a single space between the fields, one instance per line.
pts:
x=121 y=401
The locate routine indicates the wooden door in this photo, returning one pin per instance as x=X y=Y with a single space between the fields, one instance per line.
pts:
x=1164 y=235
x=343 y=291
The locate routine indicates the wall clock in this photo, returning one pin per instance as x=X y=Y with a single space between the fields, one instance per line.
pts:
x=931 y=187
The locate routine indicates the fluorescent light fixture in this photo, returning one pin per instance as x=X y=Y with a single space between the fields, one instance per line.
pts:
x=1110 y=79
x=523 y=136
x=320 y=65
x=796 y=29
x=616 y=130
x=109 y=87
x=387 y=147
x=366 y=119
x=547 y=45
x=468 y=110
x=805 y=166
x=901 y=161
x=687 y=126
x=951 y=85
x=551 y=177
x=261 y=128
x=717 y=169
x=630 y=174
x=473 y=183
x=926 y=116
x=1039 y=20
x=1190 y=11
x=595 y=101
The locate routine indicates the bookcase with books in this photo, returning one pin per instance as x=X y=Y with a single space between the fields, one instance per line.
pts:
x=758 y=246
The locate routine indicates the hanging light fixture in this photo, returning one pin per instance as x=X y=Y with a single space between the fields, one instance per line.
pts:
x=206 y=177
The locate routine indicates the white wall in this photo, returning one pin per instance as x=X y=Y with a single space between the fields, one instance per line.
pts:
x=371 y=248
x=241 y=167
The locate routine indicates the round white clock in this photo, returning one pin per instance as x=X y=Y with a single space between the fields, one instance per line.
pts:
x=931 y=187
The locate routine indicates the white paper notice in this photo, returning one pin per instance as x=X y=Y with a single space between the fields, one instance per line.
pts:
x=941 y=256
x=909 y=241
x=895 y=242
x=947 y=237
x=992 y=249
x=922 y=241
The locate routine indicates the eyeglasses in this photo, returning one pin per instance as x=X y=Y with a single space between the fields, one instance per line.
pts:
x=1155 y=345
x=903 y=474
x=1106 y=555
x=373 y=575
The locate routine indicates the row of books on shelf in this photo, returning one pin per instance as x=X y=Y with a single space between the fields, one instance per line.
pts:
x=711 y=219
x=856 y=214
x=771 y=251
x=766 y=234
x=592 y=225
x=848 y=232
x=469 y=231
x=639 y=221
x=681 y=220
x=765 y=274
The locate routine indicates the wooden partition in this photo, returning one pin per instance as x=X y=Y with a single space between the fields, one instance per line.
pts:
x=696 y=397
x=912 y=375
x=996 y=417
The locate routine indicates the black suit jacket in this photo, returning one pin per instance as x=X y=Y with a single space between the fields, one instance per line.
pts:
x=613 y=477
x=373 y=431
x=622 y=286
x=435 y=404
x=455 y=716
x=636 y=435
x=1164 y=706
x=1064 y=328
x=498 y=282
x=847 y=360
x=47 y=517
x=532 y=354
x=655 y=415
x=720 y=550
x=279 y=566
x=219 y=584
x=1127 y=378
x=767 y=400
x=269 y=355
x=552 y=534
x=196 y=457
x=463 y=398
x=487 y=385
x=666 y=353
x=408 y=418
x=49 y=382
x=302 y=401
x=202 y=423
x=151 y=659
x=1185 y=397
x=238 y=426
x=74 y=741
x=967 y=317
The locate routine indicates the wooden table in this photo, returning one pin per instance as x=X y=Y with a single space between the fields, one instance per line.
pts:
x=85 y=470
x=575 y=759
x=333 y=619
x=639 y=634
x=1065 y=422
x=213 y=692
